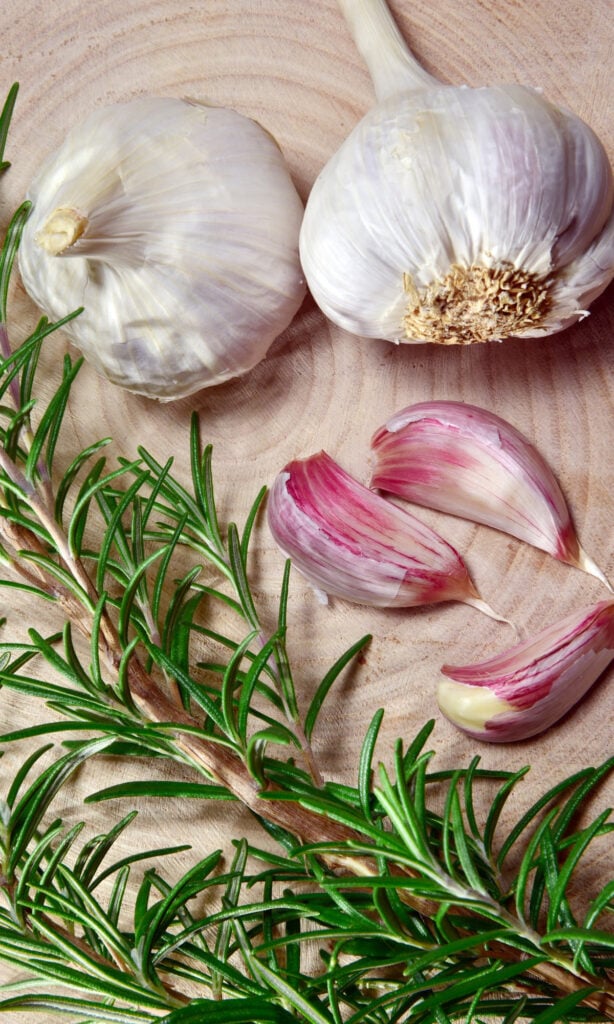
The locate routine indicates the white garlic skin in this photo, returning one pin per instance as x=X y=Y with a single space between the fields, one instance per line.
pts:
x=188 y=265
x=441 y=177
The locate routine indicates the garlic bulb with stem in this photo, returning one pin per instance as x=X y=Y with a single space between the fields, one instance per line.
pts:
x=175 y=225
x=456 y=215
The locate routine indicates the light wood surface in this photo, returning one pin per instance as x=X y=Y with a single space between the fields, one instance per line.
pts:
x=293 y=67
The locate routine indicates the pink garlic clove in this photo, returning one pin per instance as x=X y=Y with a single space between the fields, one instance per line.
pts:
x=526 y=689
x=464 y=460
x=353 y=544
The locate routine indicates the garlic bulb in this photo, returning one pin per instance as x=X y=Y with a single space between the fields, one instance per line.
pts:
x=456 y=215
x=175 y=225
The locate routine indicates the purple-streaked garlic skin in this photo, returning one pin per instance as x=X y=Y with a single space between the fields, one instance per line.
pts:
x=351 y=543
x=529 y=687
x=469 y=462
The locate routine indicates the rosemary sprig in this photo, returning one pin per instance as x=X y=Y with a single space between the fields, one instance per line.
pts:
x=417 y=914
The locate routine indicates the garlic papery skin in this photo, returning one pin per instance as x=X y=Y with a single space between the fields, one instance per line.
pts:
x=175 y=225
x=456 y=215
x=353 y=544
x=523 y=691
x=464 y=460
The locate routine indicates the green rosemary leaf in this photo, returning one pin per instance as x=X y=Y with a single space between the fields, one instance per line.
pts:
x=202 y=481
x=160 y=579
x=113 y=515
x=181 y=637
x=166 y=910
x=527 y=864
x=174 y=790
x=181 y=502
x=516 y=1012
x=89 y=975
x=579 y=798
x=250 y=683
x=134 y=858
x=219 y=595
x=75 y=669
x=51 y=419
x=59 y=412
x=231 y=1011
x=155 y=487
x=26 y=383
x=118 y=894
x=93 y=852
x=27 y=588
x=196 y=692
x=5 y=120
x=17 y=422
x=176 y=605
x=477 y=981
x=240 y=578
x=280 y=835
x=250 y=521
x=29 y=871
x=77 y=1007
x=229 y=684
x=131 y=593
x=415 y=749
x=603 y=901
x=70 y=474
x=419 y=778
x=496 y=809
x=397 y=805
x=556 y=1014
x=230 y=899
x=67 y=700
x=328 y=680
x=30 y=808
x=96 y=646
x=23 y=772
x=468 y=787
x=549 y=797
x=11 y=365
x=461 y=844
x=309 y=1012
x=285 y=679
x=579 y=934
x=47 y=649
x=365 y=765
x=9 y=252
x=78 y=907
x=54 y=866
x=122 y=687
x=256 y=747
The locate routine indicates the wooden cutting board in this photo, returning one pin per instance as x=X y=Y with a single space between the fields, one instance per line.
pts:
x=294 y=68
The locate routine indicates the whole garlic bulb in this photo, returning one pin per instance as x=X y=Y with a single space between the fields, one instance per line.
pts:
x=456 y=215
x=175 y=225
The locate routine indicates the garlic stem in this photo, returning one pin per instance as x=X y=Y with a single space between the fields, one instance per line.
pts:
x=392 y=65
x=64 y=227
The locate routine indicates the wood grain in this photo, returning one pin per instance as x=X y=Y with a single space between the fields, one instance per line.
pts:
x=294 y=68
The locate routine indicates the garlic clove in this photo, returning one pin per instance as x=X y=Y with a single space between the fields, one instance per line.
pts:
x=461 y=459
x=175 y=225
x=456 y=215
x=353 y=544
x=523 y=691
